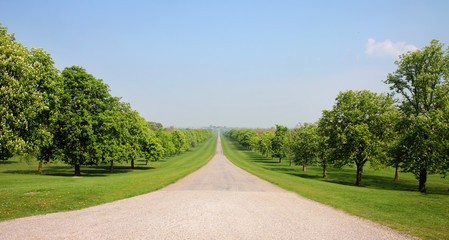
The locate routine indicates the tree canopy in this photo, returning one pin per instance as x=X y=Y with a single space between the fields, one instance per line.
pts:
x=421 y=81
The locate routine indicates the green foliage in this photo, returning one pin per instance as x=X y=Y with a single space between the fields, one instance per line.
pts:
x=165 y=139
x=154 y=126
x=151 y=148
x=422 y=82
x=362 y=126
x=27 y=91
x=280 y=142
x=179 y=141
x=80 y=111
x=265 y=142
x=305 y=145
x=113 y=133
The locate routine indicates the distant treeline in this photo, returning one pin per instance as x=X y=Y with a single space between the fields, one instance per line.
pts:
x=71 y=117
x=410 y=132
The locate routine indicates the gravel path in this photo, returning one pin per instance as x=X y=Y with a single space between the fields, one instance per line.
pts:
x=219 y=201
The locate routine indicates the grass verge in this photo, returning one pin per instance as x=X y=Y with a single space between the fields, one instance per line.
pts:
x=397 y=205
x=24 y=193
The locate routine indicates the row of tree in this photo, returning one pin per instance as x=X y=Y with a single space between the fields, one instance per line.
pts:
x=410 y=132
x=70 y=116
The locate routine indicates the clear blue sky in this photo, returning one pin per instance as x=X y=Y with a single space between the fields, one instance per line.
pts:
x=233 y=63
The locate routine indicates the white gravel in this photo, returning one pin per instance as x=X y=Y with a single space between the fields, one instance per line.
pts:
x=219 y=201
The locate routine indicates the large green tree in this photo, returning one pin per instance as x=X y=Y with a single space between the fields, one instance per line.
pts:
x=113 y=138
x=421 y=81
x=83 y=100
x=363 y=126
x=28 y=81
x=49 y=84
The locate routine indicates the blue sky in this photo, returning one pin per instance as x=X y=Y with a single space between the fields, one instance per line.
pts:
x=233 y=63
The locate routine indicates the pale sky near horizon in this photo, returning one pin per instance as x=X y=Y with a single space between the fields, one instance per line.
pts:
x=233 y=63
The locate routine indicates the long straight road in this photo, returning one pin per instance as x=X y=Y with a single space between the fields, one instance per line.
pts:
x=219 y=201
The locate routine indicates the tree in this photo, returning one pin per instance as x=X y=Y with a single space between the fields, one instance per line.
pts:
x=166 y=142
x=248 y=138
x=138 y=130
x=265 y=142
x=363 y=126
x=279 y=142
x=154 y=126
x=112 y=132
x=421 y=81
x=49 y=84
x=305 y=144
x=83 y=99
x=191 y=138
x=28 y=82
x=179 y=140
x=325 y=144
x=151 y=148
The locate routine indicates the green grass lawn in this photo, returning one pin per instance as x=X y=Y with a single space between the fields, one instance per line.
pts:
x=24 y=193
x=395 y=204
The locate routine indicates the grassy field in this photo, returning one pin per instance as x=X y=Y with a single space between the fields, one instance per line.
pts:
x=24 y=193
x=395 y=204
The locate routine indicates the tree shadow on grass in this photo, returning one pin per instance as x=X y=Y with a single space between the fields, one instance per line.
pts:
x=303 y=175
x=87 y=171
x=4 y=162
x=347 y=177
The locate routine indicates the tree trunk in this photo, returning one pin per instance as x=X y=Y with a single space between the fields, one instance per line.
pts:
x=280 y=160
x=111 y=167
x=303 y=166
x=77 y=170
x=290 y=164
x=272 y=158
x=324 y=171
x=39 y=169
x=396 y=174
x=147 y=163
x=422 y=179
x=358 y=182
x=132 y=163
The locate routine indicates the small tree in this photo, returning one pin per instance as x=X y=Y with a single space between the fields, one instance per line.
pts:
x=179 y=140
x=151 y=148
x=279 y=142
x=166 y=142
x=305 y=147
x=266 y=142
x=326 y=147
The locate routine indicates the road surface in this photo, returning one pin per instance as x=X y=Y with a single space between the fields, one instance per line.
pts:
x=219 y=201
